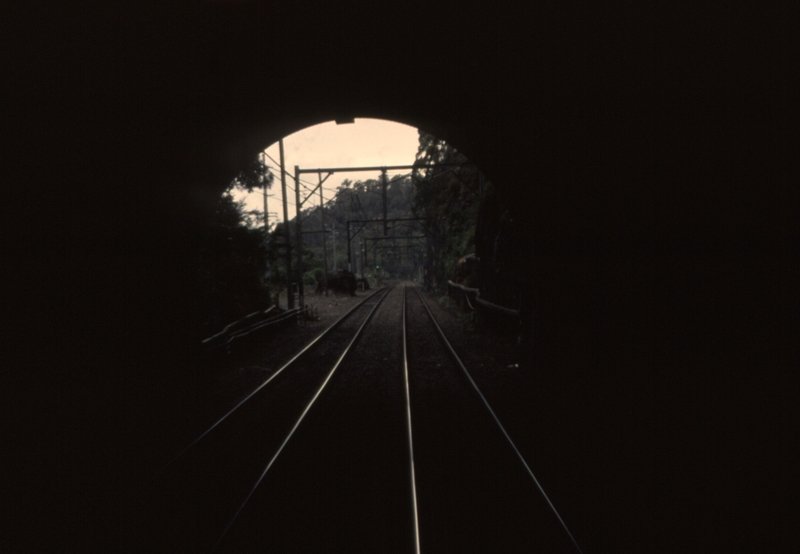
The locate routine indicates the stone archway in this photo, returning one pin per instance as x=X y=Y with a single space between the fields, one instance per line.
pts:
x=652 y=151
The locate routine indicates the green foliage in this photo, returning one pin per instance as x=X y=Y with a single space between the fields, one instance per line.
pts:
x=450 y=195
x=310 y=277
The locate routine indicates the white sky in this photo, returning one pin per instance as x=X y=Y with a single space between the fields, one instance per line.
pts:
x=367 y=142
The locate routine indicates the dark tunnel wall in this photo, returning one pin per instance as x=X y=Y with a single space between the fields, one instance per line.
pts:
x=646 y=150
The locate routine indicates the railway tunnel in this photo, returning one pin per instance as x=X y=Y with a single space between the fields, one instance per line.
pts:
x=645 y=278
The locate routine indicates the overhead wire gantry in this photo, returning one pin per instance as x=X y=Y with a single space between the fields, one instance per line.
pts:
x=330 y=171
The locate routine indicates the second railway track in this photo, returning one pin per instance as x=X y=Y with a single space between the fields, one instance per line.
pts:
x=193 y=500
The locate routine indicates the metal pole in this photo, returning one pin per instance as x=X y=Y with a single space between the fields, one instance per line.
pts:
x=299 y=230
x=266 y=220
x=385 y=225
x=349 y=253
x=333 y=232
x=289 y=295
x=324 y=243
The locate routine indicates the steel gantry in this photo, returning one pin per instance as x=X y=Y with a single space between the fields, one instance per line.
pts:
x=374 y=246
x=330 y=171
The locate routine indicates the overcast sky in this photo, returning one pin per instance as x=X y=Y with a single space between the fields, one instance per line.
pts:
x=367 y=142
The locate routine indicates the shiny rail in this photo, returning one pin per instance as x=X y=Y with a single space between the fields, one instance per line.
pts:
x=497 y=420
x=275 y=374
x=305 y=411
x=410 y=438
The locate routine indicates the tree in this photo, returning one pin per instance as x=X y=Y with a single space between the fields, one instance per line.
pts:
x=231 y=259
x=452 y=197
x=255 y=175
x=361 y=200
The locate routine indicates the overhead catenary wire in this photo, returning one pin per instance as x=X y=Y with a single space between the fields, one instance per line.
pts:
x=307 y=186
x=306 y=183
x=396 y=177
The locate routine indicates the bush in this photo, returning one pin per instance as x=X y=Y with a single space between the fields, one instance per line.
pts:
x=310 y=277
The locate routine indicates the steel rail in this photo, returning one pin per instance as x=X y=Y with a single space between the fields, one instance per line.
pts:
x=410 y=440
x=261 y=324
x=271 y=377
x=497 y=420
x=303 y=415
x=228 y=326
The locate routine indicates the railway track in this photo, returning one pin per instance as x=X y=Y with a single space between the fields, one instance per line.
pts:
x=475 y=491
x=372 y=439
